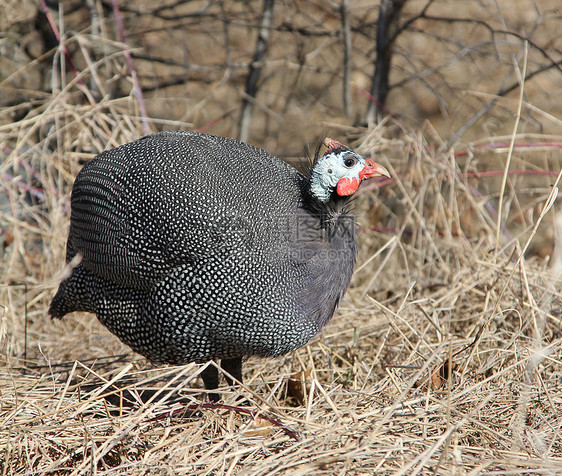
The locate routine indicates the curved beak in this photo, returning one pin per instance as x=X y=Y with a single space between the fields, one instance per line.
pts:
x=373 y=169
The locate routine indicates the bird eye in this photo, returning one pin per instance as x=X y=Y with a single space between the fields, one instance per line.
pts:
x=349 y=162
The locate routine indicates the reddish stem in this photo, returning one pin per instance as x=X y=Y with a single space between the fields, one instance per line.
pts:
x=211 y=123
x=246 y=411
x=131 y=66
x=497 y=145
x=377 y=103
x=492 y=173
x=56 y=32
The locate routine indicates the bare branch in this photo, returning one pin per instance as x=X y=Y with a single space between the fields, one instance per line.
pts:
x=389 y=15
x=255 y=69
x=502 y=92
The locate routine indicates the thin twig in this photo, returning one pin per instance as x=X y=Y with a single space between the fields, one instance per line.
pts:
x=510 y=152
x=56 y=32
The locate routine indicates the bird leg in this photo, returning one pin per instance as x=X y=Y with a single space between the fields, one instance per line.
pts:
x=211 y=375
x=210 y=378
x=234 y=368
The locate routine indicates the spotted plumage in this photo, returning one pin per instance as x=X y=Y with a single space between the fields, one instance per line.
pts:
x=196 y=247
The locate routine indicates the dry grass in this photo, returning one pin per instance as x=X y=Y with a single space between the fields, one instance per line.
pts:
x=444 y=358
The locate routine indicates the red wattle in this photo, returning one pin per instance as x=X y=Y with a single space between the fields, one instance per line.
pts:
x=347 y=186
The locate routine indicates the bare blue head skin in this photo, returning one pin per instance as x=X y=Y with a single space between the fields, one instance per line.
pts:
x=341 y=170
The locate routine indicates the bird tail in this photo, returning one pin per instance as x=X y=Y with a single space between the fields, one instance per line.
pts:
x=74 y=294
x=58 y=309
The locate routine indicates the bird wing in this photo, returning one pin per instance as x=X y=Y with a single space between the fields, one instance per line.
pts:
x=173 y=199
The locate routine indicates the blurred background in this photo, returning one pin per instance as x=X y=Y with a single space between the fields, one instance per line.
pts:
x=280 y=73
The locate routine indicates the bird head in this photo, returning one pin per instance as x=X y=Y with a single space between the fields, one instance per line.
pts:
x=341 y=170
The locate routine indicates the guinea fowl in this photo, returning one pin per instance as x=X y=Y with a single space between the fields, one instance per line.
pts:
x=197 y=247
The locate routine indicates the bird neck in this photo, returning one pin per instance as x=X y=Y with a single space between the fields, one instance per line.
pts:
x=320 y=188
x=330 y=250
x=325 y=202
